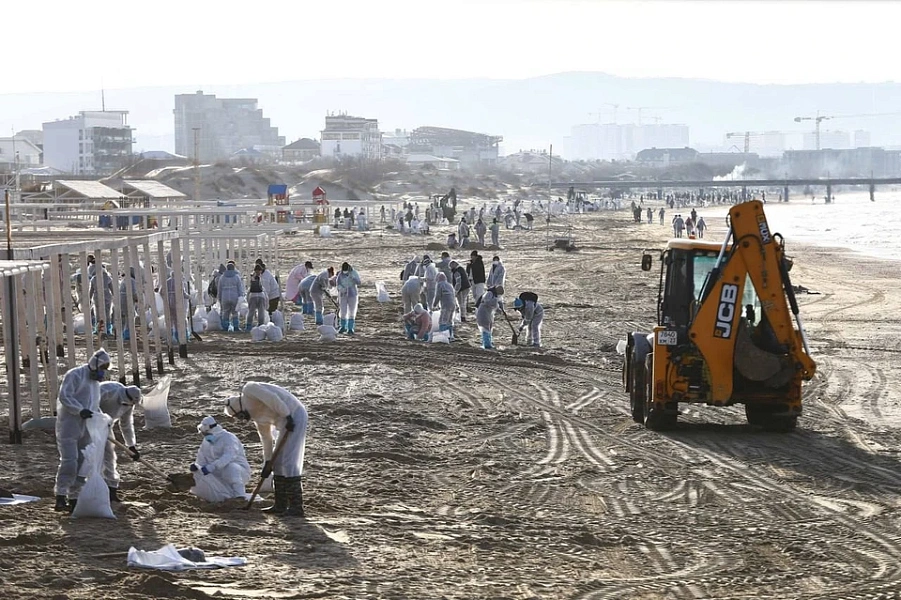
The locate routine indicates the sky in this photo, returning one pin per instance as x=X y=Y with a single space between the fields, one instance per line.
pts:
x=70 y=45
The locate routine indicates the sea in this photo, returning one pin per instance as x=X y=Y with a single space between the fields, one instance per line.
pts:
x=851 y=221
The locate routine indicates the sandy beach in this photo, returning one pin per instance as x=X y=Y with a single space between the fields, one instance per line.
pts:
x=436 y=471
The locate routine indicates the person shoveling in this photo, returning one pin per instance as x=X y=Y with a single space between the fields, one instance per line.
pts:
x=272 y=407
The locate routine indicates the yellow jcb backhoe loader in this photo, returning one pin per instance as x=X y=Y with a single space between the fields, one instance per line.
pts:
x=724 y=333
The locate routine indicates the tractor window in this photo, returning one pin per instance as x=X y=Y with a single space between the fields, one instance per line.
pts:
x=749 y=298
x=702 y=265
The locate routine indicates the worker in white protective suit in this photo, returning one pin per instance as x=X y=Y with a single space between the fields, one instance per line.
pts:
x=78 y=400
x=221 y=470
x=319 y=289
x=348 y=282
x=272 y=407
x=411 y=292
x=447 y=299
x=292 y=285
x=118 y=401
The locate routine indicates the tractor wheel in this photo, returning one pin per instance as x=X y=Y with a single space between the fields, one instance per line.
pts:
x=761 y=416
x=638 y=395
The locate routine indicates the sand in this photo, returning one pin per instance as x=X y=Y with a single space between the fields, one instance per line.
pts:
x=439 y=471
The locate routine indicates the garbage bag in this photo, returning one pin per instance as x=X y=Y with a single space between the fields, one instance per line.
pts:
x=440 y=337
x=213 y=321
x=258 y=333
x=277 y=318
x=78 y=324
x=93 y=500
x=327 y=333
x=274 y=333
x=242 y=308
x=297 y=322
x=381 y=292
x=156 y=405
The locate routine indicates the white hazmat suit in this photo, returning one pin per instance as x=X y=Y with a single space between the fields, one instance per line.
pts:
x=273 y=407
x=118 y=401
x=78 y=399
x=221 y=470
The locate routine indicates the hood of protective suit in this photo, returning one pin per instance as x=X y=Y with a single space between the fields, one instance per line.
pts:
x=442 y=277
x=231 y=273
x=418 y=309
x=99 y=358
x=233 y=406
x=133 y=394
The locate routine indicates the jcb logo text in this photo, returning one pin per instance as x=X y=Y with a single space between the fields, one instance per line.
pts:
x=725 y=311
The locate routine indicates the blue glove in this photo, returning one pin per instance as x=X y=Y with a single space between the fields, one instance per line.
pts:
x=205 y=471
x=193 y=467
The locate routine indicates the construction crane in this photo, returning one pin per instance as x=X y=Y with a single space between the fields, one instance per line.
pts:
x=819 y=118
x=747 y=135
x=816 y=119
x=641 y=108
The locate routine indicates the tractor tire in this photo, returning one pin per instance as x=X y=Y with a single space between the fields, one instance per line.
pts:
x=655 y=418
x=762 y=417
x=638 y=395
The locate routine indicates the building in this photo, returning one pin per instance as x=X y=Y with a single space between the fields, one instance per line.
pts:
x=18 y=152
x=836 y=140
x=302 y=150
x=440 y=163
x=862 y=139
x=223 y=127
x=664 y=157
x=399 y=138
x=612 y=141
x=470 y=148
x=96 y=142
x=348 y=136
x=829 y=162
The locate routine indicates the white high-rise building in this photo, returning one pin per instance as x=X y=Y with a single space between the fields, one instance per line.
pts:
x=611 y=141
x=834 y=140
x=862 y=139
x=345 y=135
x=96 y=142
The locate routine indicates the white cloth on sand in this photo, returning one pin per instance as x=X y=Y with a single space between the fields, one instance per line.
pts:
x=18 y=499
x=167 y=558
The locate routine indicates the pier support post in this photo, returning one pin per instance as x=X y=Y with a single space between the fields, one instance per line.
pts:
x=872 y=192
x=785 y=194
x=828 y=193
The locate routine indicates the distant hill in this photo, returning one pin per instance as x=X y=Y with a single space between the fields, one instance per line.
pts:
x=529 y=113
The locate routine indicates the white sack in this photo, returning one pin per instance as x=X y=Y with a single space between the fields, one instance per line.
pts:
x=381 y=292
x=213 y=321
x=327 y=333
x=258 y=333
x=277 y=318
x=156 y=405
x=274 y=333
x=297 y=322
x=93 y=500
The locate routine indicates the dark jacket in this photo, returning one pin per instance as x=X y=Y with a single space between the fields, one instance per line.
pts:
x=476 y=270
x=461 y=276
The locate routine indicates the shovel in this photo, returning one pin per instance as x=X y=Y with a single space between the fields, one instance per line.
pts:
x=513 y=329
x=143 y=461
x=278 y=450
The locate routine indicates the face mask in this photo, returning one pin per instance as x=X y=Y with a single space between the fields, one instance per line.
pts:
x=209 y=437
x=496 y=263
x=345 y=271
x=98 y=375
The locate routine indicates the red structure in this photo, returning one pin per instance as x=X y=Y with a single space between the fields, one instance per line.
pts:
x=319 y=196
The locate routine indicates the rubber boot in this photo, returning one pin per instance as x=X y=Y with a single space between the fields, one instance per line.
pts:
x=486 y=340
x=114 y=495
x=350 y=329
x=175 y=335
x=223 y=323
x=73 y=502
x=281 y=496
x=451 y=337
x=295 y=497
x=109 y=329
x=248 y=326
x=62 y=504
x=126 y=335
x=236 y=324
x=319 y=317
x=343 y=326
x=310 y=308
